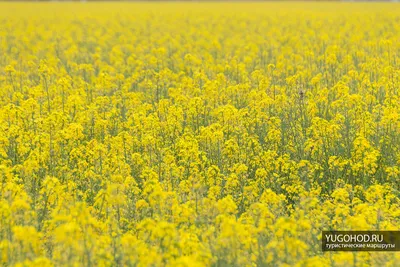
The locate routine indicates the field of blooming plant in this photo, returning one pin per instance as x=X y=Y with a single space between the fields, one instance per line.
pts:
x=197 y=134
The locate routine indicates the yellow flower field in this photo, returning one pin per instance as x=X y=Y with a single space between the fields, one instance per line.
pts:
x=197 y=134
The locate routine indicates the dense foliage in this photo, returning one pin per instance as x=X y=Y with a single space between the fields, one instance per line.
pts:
x=196 y=134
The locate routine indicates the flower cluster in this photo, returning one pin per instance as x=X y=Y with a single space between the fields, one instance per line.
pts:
x=196 y=134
